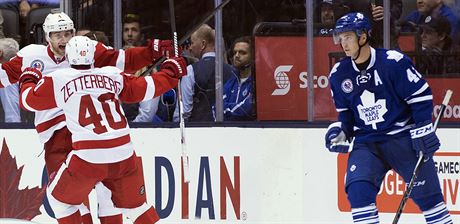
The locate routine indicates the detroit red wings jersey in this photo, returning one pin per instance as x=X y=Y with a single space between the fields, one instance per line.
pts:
x=90 y=100
x=42 y=58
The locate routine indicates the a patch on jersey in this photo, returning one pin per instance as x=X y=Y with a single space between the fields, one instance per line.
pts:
x=347 y=85
x=38 y=64
x=353 y=168
x=363 y=78
x=371 y=111
x=142 y=190
x=245 y=92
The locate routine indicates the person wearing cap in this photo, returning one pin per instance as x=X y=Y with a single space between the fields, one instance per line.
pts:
x=439 y=54
x=433 y=8
x=325 y=18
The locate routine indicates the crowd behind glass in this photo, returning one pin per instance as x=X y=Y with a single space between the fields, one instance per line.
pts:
x=434 y=26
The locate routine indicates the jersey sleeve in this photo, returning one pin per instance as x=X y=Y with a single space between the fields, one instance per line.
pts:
x=129 y=61
x=138 y=89
x=341 y=103
x=10 y=71
x=412 y=88
x=40 y=96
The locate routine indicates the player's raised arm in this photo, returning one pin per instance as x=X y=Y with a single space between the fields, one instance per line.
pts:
x=134 y=58
x=36 y=93
x=141 y=88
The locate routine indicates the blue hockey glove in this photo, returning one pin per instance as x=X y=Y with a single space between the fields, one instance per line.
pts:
x=336 y=140
x=424 y=139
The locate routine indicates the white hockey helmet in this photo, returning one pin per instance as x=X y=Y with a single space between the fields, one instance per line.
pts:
x=56 y=22
x=80 y=51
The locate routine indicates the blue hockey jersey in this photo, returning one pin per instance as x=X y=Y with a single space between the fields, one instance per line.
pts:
x=382 y=102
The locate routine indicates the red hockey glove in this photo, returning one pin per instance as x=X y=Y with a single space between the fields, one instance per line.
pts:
x=175 y=67
x=30 y=75
x=163 y=48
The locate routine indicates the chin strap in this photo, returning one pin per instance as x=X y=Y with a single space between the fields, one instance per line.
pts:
x=361 y=46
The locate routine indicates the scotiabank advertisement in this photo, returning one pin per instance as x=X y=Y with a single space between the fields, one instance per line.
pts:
x=281 y=79
x=238 y=175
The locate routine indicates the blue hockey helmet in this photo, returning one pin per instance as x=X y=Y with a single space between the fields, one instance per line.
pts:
x=354 y=21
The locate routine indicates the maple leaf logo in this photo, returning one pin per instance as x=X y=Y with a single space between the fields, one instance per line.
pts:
x=371 y=111
x=14 y=203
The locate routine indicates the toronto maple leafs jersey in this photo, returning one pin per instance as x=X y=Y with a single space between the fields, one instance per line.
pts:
x=383 y=101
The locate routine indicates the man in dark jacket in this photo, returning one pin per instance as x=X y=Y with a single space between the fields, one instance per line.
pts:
x=439 y=54
x=199 y=88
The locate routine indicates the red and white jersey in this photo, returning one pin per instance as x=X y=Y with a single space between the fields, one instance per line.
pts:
x=42 y=58
x=90 y=100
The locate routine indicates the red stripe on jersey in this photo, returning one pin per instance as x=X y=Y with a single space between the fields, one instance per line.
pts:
x=138 y=57
x=104 y=56
x=53 y=57
x=102 y=144
x=49 y=123
x=133 y=89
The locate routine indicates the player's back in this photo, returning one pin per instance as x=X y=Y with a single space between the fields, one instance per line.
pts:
x=89 y=99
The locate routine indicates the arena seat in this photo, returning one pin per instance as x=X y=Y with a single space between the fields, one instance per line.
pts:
x=10 y=22
x=34 y=29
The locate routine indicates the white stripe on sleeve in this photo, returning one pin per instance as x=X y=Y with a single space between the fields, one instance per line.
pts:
x=121 y=60
x=23 y=99
x=420 y=99
x=150 y=91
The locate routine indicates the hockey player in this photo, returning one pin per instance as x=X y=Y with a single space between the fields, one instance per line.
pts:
x=50 y=124
x=103 y=151
x=385 y=105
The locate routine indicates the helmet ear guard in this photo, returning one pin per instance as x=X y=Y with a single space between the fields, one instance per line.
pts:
x=80 y=51
x=56 y=22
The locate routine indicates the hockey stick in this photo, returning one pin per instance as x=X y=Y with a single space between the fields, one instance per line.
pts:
x=184 y=156
x=420 y=161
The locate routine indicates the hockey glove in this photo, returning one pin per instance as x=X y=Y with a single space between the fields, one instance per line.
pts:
x=424 y=139
x=163 y=48
x=30 y=75
x=336 y=140
x=175 y=67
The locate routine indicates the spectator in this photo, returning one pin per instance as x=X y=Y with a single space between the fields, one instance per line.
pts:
x=83 y=31
x=198 y=87
x=326 y=18
x=140 y=111
x=132 y=31
x=435 y=8
x=26 y=5
x=98 y=36
x=9 y=96
x=439 y=55
x=2 y=35
x=374 y=11
x=238 y=90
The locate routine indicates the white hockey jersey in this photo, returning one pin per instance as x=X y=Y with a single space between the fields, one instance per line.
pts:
x=42 y=58
x=90 y=100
